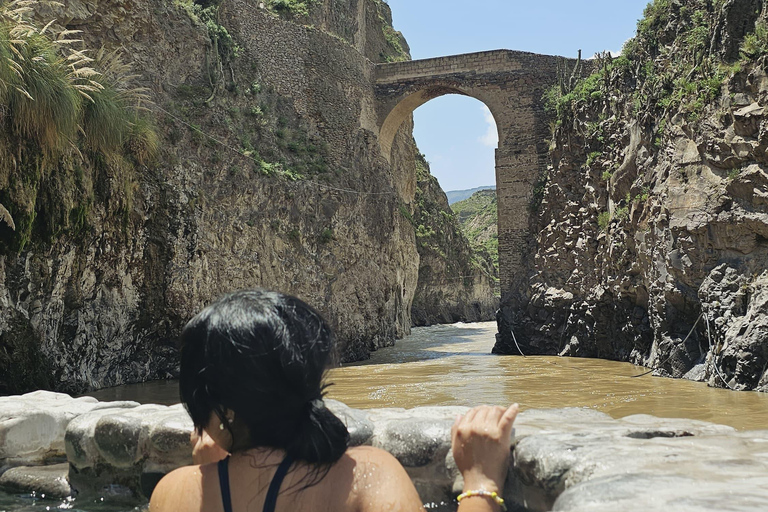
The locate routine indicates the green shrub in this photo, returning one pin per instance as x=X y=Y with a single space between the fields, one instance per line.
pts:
x=603 y=220
x=592 y=157
x=143 y=143
x=327 y=236
x=405 y=213
x=292 y=7
x=756 y=43
x=64 y=112
x=621 y=213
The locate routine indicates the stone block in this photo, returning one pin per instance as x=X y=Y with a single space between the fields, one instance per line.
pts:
x=578 y=470
x=33 y=426
x=357 y=423
x=417 y=442
x=44 y=481
x=117 y=438
x=114 y=446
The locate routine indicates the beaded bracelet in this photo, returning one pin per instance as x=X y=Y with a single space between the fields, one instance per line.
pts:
x=485 y=494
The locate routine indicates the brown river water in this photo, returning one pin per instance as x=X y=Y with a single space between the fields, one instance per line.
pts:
x=452 y=365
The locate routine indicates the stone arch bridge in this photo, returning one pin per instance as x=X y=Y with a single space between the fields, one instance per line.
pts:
x=511 y=84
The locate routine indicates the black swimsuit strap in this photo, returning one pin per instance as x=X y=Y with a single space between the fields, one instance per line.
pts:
x=274 y=487
x=226 y=497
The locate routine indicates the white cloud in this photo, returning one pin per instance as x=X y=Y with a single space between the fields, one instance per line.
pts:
x=614 y=54
x=491 y=136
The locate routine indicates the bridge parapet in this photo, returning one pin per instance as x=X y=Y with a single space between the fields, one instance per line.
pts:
x=494 y=61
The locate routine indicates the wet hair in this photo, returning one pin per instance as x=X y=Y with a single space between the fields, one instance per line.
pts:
x=263 y=355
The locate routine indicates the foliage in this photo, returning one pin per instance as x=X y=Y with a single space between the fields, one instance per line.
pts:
x=621 y=213
x=394 y=39
x=405 y=213
x=292 y=7
x=437 y=228
x=592 y=157
x=665 y=69
x=603 y=220
x=756 y=43
x=68 y=120
x=538 y=193
x=478 y=217
x=207 y=14
x=327 y=236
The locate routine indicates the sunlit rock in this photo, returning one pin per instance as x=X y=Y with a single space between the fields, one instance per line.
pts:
x=32 y=426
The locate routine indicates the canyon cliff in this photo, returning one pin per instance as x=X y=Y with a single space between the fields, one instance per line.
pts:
x=652 y=229
x=268 y=173
x=456 y=281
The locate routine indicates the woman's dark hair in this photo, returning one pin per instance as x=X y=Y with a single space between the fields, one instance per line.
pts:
x=263 y=355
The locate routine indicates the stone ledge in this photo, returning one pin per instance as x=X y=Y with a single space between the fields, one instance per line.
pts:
x=32 y=426
x=569 y=460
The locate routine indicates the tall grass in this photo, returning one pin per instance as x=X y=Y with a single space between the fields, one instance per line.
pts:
x=62 y=114
x=43 y=104
x=110 y=115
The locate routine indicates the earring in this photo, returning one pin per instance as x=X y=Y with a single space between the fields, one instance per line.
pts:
x=221 y=426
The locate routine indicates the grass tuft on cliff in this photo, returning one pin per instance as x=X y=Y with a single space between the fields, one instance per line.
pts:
x=292 y=7
x=64 y=121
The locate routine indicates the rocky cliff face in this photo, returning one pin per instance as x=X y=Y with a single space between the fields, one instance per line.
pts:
x=269 y=175
x=653 y=229
x=456 y=283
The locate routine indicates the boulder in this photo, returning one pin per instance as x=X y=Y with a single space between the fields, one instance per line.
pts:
x=44 y=481
x=128 y=447
x=699 y=473
x=32 y=426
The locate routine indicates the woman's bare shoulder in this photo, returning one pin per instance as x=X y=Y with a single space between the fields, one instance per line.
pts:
x=382 y=481
x=370 y=453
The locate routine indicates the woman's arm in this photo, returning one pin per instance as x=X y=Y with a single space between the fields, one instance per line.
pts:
x=480 y=441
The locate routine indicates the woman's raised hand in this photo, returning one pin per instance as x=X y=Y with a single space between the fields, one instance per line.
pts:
x=480 y=441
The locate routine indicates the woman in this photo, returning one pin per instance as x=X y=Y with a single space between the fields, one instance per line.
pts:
x=252 y=368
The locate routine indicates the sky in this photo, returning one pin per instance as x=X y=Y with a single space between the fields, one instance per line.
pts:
x=457 y=133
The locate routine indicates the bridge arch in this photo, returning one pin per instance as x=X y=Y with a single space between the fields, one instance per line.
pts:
x=511 y=84
x=408 y=104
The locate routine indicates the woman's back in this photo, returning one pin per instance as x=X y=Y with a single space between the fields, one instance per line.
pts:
x=252 y=374
x=364 y=479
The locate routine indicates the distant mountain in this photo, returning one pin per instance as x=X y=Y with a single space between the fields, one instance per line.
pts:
x=454 y=196
x=478 y=217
